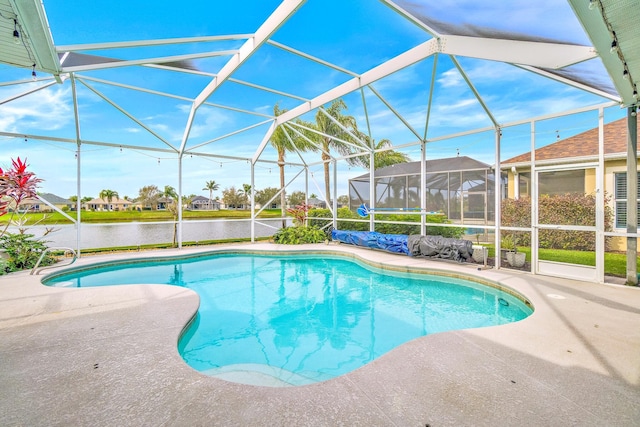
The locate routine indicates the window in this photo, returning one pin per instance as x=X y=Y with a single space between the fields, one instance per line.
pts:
x=561 y=182
x=620 y=199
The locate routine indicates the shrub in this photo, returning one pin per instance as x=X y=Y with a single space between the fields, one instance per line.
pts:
x=23 y=251
x=299 y=235
x=345 y=213
x=567 y=209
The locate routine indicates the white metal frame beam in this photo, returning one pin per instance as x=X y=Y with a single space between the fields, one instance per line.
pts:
x=397 y=63
x=123 y=111
x=117 y=63
x=536 y=54
x=146 y=43
x=270 y=25
x=284 y=11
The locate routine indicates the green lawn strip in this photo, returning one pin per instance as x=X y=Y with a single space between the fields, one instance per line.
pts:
x=615 y=264
x=137 y=216
x=136 y=248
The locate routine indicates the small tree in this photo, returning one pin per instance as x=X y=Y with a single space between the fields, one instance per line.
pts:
x=343 y=200
x=297 y=198
x=263 y=196
x=149 y=195
x=174 y=207
x=16 y=185
x=233 y=197
x=246 y=190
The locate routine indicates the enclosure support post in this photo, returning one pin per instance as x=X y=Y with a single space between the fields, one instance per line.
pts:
x=334 y=203
x=498 y=198
x=306 y=185
x=423 y=188
x=632 y=196
x=253 y=203
x=600 y=201
x=372 y=190
x=78 y=165
x=533 y=195
x=179 y=202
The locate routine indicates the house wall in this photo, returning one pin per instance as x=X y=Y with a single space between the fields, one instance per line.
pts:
x=611 y=167
x=511 y=185
x=590 y=181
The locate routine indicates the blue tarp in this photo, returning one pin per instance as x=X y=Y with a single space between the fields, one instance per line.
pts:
x=415 y=245
x=396 y=243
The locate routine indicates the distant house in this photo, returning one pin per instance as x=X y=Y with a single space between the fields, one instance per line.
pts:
x=316 y=203
x=163 y=202
x=237 y=207
x=37 y=205
x=115 y=204
x=275 y=204
x=201 y=203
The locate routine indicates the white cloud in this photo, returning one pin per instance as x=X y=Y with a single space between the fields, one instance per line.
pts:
x=450 y=78
x=48 y=109
x=209 y=120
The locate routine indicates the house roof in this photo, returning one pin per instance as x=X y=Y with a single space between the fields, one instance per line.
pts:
x=49 y=197
x=437 y=165
x=203 y=199
x=114 y=201
x=56 y=200
x=582 y=145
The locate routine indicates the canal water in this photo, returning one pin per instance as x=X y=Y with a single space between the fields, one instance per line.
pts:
x=144 y=233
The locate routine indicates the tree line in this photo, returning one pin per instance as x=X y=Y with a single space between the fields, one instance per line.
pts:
x=151 y=195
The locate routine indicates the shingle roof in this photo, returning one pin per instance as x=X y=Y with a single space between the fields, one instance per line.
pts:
x=582 y=145
x=437 y=165
x=114 y=201
x=56 y=200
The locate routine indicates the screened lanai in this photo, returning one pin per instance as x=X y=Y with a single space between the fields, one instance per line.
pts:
x=97 y=97
x=459 y=187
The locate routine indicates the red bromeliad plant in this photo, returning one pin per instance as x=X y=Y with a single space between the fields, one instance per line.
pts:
x=16 y=185
x=299 y=214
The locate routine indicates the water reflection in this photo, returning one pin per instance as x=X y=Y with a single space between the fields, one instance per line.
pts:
x=145 y=233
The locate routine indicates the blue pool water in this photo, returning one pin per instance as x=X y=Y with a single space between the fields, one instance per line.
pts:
x=297 y=319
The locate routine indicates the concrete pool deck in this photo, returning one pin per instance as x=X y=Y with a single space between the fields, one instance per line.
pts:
x=108 y=357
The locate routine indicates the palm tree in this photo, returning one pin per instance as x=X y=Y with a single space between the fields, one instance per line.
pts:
x=172 y=207
x=246 y=189
x=211 y=186
x=283 y=144
x=331 y=129
x=381 y=159
x=108 y=195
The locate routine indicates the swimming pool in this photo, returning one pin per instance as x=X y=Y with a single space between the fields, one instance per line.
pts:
x=293 y=319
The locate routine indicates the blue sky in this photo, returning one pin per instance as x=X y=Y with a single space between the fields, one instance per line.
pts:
x=355 y=35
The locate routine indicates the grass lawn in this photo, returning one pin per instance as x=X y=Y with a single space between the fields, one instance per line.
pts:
x=615 y=263
x=138 y=216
